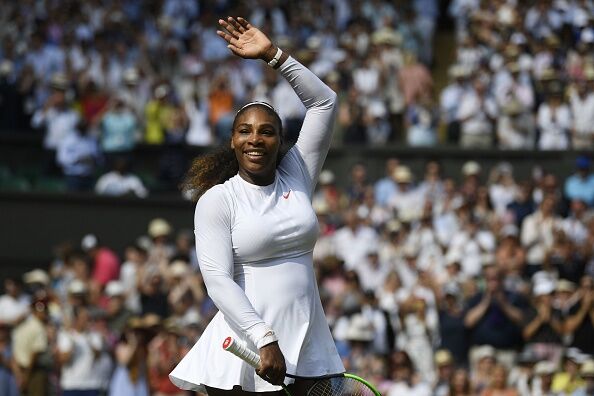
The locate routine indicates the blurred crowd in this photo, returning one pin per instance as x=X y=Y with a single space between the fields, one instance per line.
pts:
x=430 y=287
x=523 y=76
x=100 y=77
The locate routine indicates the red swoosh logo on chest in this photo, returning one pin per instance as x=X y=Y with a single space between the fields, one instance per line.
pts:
x=286 y=196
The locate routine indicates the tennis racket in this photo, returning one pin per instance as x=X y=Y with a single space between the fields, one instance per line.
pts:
x=343 y=384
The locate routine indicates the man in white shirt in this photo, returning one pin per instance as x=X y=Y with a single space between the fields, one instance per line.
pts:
x=120 y=182
x=351 y=241
x=14 y=305
x=372 y=272
x=476 y=114
x=475 y=245
x=538 y=230
x=449 y=101
x=57 y=118
x=79 y=350
x=581 y=102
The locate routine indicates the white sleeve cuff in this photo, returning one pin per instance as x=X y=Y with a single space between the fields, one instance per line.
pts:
x=261 y=335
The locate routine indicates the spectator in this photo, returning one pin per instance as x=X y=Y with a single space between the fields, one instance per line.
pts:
x=543 y=379
x=537 y=233
x=510 y=257
x=449 y=101
x=78 y=352
x=372 y=272
x=498 y=385
x=117 y=315
x=581 y=101
x=580 y=185
x=460 y=384
x=543 y=327
x=119 y=129
x=120 y=182
x=476 y=114
x=164 y=351
x=421 y=122
x=568 y=379
x=580 y=321
x=106 y=264
x=554 y=122
x=12 y=107
x=199 y=131
x=415 y=78
x=385 y=188
x=8 y=366
x=406 y=201
x=493 y=317
x=445 y=370
x=157 y=111
x=452 y=333
x=515 y=127
x=93 y=102
x=30 y=346
x=160 y=250
x=403 y=376
x=14 y=304
x=352 y=240
x=58 y=119
x=78 y=155
x=130 y=376
x=587 y=373
x=135 y=260
x=522 y=205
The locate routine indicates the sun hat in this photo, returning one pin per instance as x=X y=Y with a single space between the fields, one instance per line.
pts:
x=159 y=227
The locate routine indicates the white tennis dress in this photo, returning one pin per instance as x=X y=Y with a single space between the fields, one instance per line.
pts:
x=254 y=247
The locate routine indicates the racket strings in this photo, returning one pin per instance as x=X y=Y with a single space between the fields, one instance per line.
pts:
x=341 y=386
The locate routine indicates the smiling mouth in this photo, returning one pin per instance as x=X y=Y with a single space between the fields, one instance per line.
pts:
x=254 y=155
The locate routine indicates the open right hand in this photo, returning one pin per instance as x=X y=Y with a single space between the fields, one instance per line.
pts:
x=246 y=40
x=272 y=364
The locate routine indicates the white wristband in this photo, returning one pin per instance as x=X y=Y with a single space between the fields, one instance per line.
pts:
x=276 y=58
x=268 y=338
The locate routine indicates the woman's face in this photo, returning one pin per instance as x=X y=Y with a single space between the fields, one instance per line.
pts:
x=256 y=140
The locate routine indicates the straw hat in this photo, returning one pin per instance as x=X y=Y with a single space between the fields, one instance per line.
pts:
x=443 y=357
x=564 y=285
x=37 y=276
x=159 y=227
x=402 y=174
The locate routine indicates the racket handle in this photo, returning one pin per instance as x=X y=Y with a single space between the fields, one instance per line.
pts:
x=241 y=351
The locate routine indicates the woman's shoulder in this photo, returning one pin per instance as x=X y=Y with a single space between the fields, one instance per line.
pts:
x=215 y=197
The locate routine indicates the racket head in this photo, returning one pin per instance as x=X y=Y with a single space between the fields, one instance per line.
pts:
x=342 y=385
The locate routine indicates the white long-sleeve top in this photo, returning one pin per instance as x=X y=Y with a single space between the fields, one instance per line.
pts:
x=254 y=246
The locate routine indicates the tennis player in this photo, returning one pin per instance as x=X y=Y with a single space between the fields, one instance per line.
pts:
x=255 y=231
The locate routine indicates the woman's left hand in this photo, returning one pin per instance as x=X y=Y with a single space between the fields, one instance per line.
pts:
x=246 y=40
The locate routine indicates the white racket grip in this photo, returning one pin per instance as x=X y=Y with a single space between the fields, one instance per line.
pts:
x=241 y=351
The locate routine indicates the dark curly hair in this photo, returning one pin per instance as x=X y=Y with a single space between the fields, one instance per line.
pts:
x=220 y=165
